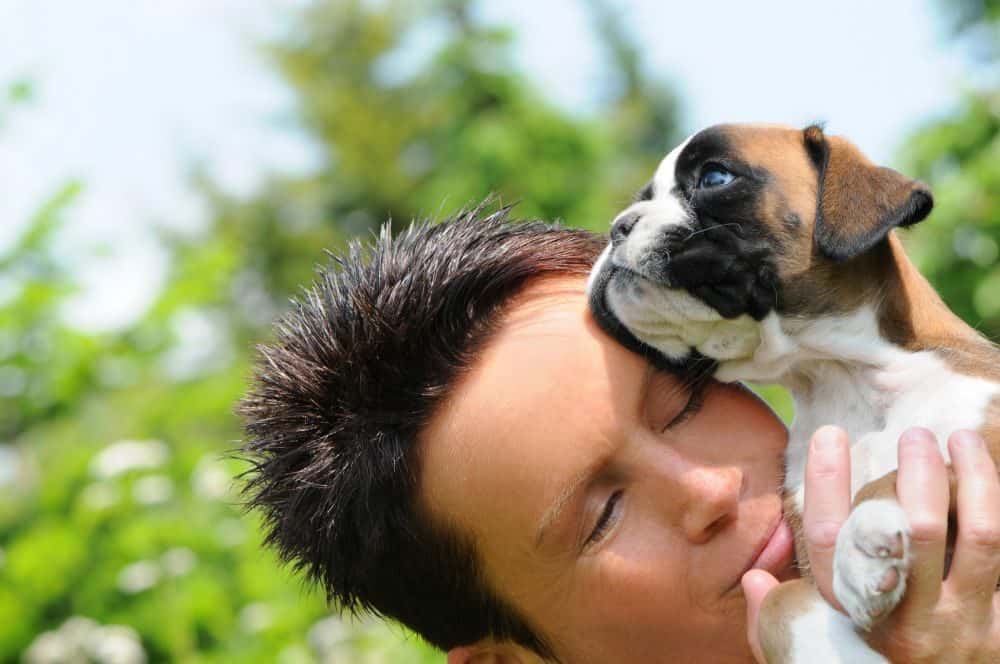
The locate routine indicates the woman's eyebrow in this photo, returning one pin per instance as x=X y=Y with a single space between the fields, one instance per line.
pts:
x=570 y=495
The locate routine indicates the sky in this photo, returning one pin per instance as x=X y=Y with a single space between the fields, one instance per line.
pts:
x=131 y=95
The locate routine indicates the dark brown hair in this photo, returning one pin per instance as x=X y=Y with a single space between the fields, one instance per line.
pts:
x=357 y=368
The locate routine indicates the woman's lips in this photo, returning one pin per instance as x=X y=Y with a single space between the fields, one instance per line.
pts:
x=777 y=551
x=775 y=554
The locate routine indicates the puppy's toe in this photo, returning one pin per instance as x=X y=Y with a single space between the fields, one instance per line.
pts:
x=871 y=561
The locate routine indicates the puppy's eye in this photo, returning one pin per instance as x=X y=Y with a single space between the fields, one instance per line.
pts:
x=714 y=176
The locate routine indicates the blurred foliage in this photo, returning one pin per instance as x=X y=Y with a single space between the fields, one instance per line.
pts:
x=142 y=538
x=121 y=539
x=959 y=156
x=977 y=22
x=402 y=141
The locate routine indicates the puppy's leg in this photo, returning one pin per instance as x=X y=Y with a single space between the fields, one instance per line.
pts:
x=871 y=560
x=797 y=626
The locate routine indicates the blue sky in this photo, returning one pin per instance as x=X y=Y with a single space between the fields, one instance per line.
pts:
x=130 y=94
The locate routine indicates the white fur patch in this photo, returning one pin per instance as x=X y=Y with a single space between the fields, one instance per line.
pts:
x=664 y=210
x=674 y=322
x=666 y=173
x=873 y=547
x=842 y=372
x=821 y=634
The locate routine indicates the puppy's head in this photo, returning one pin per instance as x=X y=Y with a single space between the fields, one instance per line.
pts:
x=740 y=221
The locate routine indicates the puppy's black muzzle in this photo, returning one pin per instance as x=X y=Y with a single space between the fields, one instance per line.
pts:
x=720 y=265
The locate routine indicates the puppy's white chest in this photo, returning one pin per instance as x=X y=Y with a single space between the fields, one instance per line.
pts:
x=876 y=402
x=841 y=372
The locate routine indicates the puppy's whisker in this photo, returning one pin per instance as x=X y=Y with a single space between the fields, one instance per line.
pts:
x=708 y=228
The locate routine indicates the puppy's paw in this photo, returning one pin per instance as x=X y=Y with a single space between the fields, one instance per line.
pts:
x=871 y=561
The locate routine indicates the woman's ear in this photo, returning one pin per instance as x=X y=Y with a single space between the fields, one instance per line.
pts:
x=488 y=653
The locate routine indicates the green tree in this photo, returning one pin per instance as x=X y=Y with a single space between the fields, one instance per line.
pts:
x=959 y=156
x=402 y=143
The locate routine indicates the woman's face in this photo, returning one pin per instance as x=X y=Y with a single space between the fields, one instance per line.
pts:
x=614 y=510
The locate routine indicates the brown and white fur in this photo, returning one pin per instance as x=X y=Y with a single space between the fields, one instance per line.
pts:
x=786 y=270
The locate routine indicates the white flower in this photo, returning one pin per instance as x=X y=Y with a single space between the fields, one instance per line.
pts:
x=116 y=644
x=126 y=455
x=328 y=636
x=77 y=630
x=138 y=576
x=80 y=640
x=256 y=617
x=153 y=489
x=11 y=465
x=48 y=648
x=210 y=478
x=178 y=561
x=63 y=645
x=99 y=496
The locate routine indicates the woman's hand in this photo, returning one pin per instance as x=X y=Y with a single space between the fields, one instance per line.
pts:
x=953 y=620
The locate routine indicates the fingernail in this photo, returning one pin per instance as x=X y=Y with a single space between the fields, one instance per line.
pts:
x=969 y=439
x=917 y=437
x=826 y=439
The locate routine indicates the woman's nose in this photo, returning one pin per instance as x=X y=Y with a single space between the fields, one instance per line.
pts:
x=712 y=500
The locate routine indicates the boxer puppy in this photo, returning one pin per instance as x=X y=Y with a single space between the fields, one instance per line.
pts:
x=768 y=254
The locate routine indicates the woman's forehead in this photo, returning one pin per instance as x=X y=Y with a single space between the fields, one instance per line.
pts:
x=535 y=406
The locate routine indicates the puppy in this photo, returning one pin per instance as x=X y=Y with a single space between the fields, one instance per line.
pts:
x=769 y=253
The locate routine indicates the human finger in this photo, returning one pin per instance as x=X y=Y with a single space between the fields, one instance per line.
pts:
x=827 y=502
x=922 y=487
x=757 y=583
x=975 y=566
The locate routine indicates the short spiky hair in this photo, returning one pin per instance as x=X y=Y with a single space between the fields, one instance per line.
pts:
x=339 y=398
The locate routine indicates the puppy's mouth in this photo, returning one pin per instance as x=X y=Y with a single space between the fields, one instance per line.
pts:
x=713 y=262
x=683 y=294
x=605 y=273
x=654 y=262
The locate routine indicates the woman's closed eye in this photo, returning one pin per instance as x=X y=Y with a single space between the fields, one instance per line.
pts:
x=671 y=401
x=696 y=398
x=677 y=402
x=608 y=517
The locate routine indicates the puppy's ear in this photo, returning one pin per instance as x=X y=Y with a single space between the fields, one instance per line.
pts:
x=859 y=202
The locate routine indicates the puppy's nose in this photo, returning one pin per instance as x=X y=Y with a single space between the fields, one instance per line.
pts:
x=622 y=226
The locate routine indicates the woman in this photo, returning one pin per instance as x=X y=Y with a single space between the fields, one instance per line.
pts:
x=443 y=435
